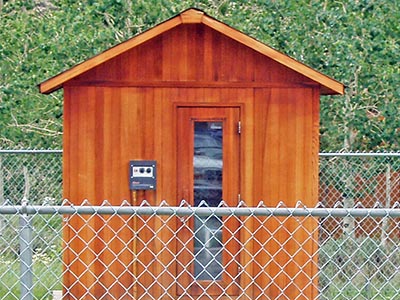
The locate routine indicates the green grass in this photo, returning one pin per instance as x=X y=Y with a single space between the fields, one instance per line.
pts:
x=46 y=258
x=358 y=269
x=47 y=273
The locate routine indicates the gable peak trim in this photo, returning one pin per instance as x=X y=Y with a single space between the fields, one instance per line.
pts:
x=192 y=16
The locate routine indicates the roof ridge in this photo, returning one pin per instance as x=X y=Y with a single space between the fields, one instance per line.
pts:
x=192 y=16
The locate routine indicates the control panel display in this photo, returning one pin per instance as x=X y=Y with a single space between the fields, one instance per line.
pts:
x=142 y=175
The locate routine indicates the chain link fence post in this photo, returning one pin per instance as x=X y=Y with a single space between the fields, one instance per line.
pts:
x=26 y=253
x=2 y=199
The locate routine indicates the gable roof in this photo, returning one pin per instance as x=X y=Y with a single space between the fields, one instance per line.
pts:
x=193 y=16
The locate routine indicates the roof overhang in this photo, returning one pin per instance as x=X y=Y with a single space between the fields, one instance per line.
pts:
x=328 y=85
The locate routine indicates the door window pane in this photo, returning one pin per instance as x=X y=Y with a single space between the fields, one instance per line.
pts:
x=207 y=164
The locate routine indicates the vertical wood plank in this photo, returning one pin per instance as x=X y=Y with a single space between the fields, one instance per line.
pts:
x=309 y=234
x=315 y=170
x=198 y=40
x=127 y=231
x=149 y=60
x=67 y=234
x=106 y=234
x=118 y=246
x=87 y=129
x=172 y=66
x=83 y=188
x=272 y=156
x=217 y=57
x=247 y=179
x=208 y=64
x=191 y=52
x=162 y=127
x=99 y=179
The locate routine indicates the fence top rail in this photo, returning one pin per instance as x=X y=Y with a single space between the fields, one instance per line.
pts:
x=322 y=154
x=359 y=154
x=30 y=151
x=202 y=211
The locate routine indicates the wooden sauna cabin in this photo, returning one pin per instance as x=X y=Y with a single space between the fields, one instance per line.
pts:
x=188 y=88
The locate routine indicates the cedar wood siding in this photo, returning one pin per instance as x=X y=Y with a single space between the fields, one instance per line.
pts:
x=125 y=109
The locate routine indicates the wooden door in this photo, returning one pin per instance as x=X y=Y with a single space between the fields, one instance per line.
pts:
x=208 y=172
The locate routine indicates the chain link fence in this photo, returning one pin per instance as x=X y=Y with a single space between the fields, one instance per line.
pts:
x=143 y=252
x=366 y=178
x=358 y=179
x=32 y=174
x=345 y=248
x=349 y=178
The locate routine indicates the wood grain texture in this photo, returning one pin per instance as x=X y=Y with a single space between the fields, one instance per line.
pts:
x=204 y=56
x=279 y=138
x=187 y=21
x=285 y=126
x=127 y=108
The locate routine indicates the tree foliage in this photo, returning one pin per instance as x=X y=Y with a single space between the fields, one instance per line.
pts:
x=356 y=42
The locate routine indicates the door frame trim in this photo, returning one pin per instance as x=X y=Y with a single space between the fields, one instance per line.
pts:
x=207 y=104
x=220 y=105
x=180 y=104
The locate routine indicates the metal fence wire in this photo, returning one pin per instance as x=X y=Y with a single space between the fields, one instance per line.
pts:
x=145 y=252
x=345 y=248
x=366 y=178
x=351 y=178
x=32 y=174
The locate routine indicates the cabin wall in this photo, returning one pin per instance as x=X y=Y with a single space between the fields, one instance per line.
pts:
x=105 y=127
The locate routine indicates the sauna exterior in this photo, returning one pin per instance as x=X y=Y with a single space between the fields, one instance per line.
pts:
x=189 y=83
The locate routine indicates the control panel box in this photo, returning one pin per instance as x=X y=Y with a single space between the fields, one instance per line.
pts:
x=142 y=175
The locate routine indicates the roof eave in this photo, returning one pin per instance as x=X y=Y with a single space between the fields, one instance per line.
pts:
x=329 y=86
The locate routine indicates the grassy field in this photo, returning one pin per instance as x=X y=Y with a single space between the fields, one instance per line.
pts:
x=46 y=256
x=47 y=273
x=347 y=283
